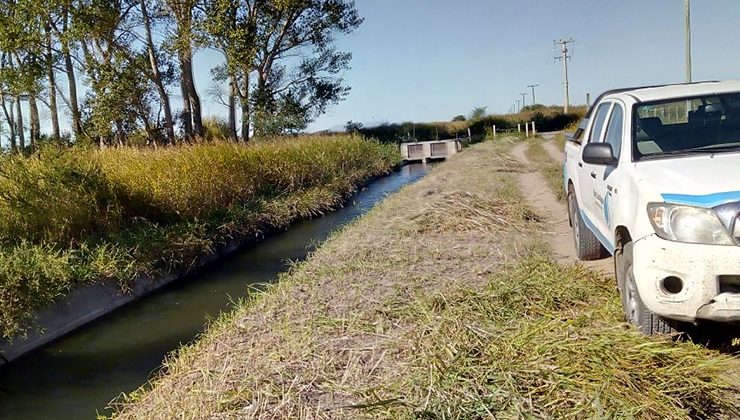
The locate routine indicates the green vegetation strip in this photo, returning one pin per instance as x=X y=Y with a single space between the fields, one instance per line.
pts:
x=551 y=170
x=69 y=217
x=440 y=303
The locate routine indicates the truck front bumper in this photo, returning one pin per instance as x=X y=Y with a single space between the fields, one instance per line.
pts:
x=709 y=277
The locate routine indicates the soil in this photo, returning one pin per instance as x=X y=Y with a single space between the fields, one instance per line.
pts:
x=543 y=201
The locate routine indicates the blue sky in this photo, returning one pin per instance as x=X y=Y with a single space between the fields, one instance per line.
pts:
x=429 y=60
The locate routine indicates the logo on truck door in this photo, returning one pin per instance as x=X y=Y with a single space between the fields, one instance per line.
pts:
x=603 y=204
x=599 y=199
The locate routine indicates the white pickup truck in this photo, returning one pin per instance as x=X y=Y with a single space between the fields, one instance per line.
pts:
x=652 y=176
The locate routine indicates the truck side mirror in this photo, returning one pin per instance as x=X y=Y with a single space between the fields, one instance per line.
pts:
x=599 y=154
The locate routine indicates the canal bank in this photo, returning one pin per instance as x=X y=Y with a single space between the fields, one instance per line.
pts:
x=88 y=303
x=443 y=301
x=82 y=372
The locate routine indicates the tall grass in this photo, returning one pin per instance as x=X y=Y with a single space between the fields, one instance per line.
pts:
x=71 y=216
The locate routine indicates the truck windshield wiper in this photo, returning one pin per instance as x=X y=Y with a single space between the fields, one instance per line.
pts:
x=704 y=150
x=730 y=147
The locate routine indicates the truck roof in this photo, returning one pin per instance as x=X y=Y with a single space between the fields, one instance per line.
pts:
x=656 y=93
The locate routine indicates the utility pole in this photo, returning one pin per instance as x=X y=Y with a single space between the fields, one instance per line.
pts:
x=523 y=101
x=518 y=105
x=564 y=57
x=534 y=101
x=687 y=13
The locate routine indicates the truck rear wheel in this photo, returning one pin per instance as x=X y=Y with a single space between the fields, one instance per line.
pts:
x=635 y=312
x=587 y=246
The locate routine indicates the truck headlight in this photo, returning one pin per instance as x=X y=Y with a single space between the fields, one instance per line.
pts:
x=696 y=225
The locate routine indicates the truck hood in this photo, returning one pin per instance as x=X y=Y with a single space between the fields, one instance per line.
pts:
x=704 y=181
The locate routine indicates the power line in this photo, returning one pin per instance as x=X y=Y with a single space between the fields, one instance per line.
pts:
x=564 y=57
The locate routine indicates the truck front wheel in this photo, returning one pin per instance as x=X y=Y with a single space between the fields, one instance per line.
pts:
x=587 y=246
x=635 y=312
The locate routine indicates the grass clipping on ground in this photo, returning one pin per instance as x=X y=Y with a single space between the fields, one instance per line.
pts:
x=440 y=303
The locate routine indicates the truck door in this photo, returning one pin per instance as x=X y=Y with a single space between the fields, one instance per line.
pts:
x=604 y=184
x=590 y=202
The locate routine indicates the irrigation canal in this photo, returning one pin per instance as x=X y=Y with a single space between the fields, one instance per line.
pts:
x=77 y=376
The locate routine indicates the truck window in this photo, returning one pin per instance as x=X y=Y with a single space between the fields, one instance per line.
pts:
x=614 y=130
x=690 y=125
x=599 y=121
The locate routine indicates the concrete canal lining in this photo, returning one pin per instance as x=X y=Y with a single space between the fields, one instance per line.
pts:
x=88 y=303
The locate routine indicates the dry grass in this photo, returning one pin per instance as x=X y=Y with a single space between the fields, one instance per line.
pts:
x=440 y=303
x=551 y=170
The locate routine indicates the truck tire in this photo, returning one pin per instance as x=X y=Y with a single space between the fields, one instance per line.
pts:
x=635 y=312
x=587 y=246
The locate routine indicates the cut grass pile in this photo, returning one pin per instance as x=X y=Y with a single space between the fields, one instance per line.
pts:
x=551 y=170
x=440 y=303
x=69 y=217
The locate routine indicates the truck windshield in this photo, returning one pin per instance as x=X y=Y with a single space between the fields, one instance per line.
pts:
x=694 y=125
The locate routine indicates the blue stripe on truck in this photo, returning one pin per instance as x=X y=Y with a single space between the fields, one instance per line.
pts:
x=708 y=200
x=604 y=241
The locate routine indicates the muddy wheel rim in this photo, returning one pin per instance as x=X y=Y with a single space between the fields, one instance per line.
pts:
x=632 y=307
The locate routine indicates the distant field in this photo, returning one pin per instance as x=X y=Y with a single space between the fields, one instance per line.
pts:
x=549 y=118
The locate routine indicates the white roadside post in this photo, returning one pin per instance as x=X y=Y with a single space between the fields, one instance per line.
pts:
x=494 y=131
x=526 y=129
x=534 y=130
x=519 y=128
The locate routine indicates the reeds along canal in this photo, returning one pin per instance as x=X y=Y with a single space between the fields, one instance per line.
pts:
x=78 y=375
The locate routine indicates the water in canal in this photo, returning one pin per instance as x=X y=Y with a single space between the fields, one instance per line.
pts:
x=79 y=374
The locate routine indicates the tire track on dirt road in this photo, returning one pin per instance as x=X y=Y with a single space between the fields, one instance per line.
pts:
x=543 y=201
x=551 y=147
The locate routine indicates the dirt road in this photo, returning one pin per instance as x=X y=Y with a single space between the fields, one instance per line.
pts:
x=543 y=201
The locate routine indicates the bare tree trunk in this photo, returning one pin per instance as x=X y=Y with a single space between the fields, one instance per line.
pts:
x=10 y=119
x=157 y=76
x=232 y=108
x=19 y=123
x=53 y=110
x=8 y=110
x=244 y=102
x=33 y=112
x=120 y=137
x=186 y=69
x=187 y=113
x=72 y=83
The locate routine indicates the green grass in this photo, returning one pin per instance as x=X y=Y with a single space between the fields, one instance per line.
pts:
x=551 y=170
x=560 y=141
x=73 y=216
x=546 y=341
